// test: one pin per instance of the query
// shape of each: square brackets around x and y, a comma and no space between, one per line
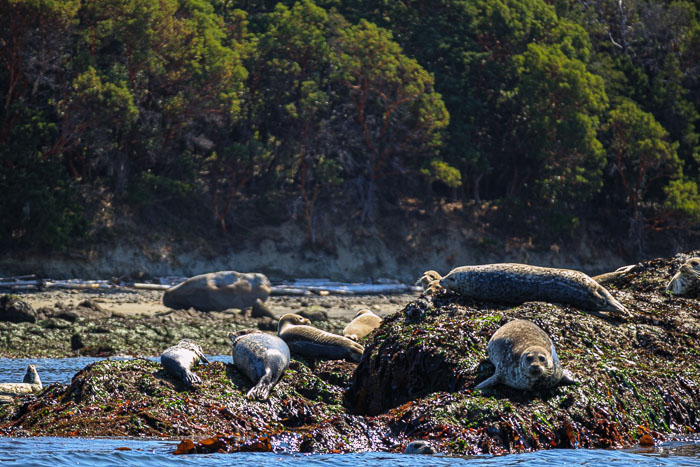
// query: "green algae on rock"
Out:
[638,378]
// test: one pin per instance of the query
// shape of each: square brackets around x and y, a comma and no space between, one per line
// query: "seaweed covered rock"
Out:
[636,375]
[639,381]
[14,310]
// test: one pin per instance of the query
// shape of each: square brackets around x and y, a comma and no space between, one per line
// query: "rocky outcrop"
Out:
[14,310]
[639,380]
[218,291]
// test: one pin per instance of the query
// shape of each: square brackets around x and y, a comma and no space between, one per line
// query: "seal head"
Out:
[525,358]
[419,447]
[179,359]
[263,358]
[686,282]
[308,341]
[31,383]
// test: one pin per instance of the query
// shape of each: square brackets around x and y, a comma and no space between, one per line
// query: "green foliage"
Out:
[683,199]
[443,172]
[222,102]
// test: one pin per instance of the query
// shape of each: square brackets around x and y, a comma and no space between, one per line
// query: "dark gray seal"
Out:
[686,282]
[263,358]
[518,283]
[419,447]
[308,341]
[31,383]
[525,358]
[179,359]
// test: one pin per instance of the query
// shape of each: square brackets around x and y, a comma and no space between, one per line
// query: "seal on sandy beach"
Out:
[525,358]
[179,359]
[419,447]
[362,324]
[30,383]
[686,282]
[518,283]
[308,341]
[263,358]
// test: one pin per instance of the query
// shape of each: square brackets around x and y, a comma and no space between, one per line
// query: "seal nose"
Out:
[535,370]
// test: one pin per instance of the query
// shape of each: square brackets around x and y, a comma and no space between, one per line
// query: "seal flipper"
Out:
[190,379]
[489,382]
[261,391]
[567,379]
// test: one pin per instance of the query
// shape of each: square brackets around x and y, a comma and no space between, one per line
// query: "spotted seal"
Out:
[419,447]
[362,324]
[308,341]
[686,282]
[518,283]
[31,383]
[179,359]
[263,358]
[525,358]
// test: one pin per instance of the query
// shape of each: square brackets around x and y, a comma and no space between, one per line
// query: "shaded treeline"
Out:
[561,111]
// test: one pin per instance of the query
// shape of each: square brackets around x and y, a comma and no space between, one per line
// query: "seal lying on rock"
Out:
[262,358]
[525,358]
[179,359]
[518,283]
[686,282]
[362,324]
[308,341]
[31,383]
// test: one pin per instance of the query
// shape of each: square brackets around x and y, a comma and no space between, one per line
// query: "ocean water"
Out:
[52,452]
[46,451]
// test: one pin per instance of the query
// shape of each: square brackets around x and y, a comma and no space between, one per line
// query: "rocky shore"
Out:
[639,381]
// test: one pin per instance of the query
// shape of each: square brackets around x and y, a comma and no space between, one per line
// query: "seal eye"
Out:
[529,359]
[542,359]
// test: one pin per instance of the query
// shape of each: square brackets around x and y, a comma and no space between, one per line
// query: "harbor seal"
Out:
[308,341]
[31,383]
[525,358]
[686,282]
[179,359]
[419,447]
[428,280]
[518,283]
[362,324]
[263,358]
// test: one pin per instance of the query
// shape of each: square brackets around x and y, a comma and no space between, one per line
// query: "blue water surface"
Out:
[108,452]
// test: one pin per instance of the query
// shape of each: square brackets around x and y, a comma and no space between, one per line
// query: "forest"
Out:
[567,110]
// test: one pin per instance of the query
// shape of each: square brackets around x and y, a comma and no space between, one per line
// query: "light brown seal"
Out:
[179,359]
[263,358]
[308,341]
[525,358]
[362,324]
[686,282]
[31,383]
[518,283]
[428,280]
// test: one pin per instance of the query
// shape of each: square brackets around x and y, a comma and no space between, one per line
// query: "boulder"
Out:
[218,291]
[14,310]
